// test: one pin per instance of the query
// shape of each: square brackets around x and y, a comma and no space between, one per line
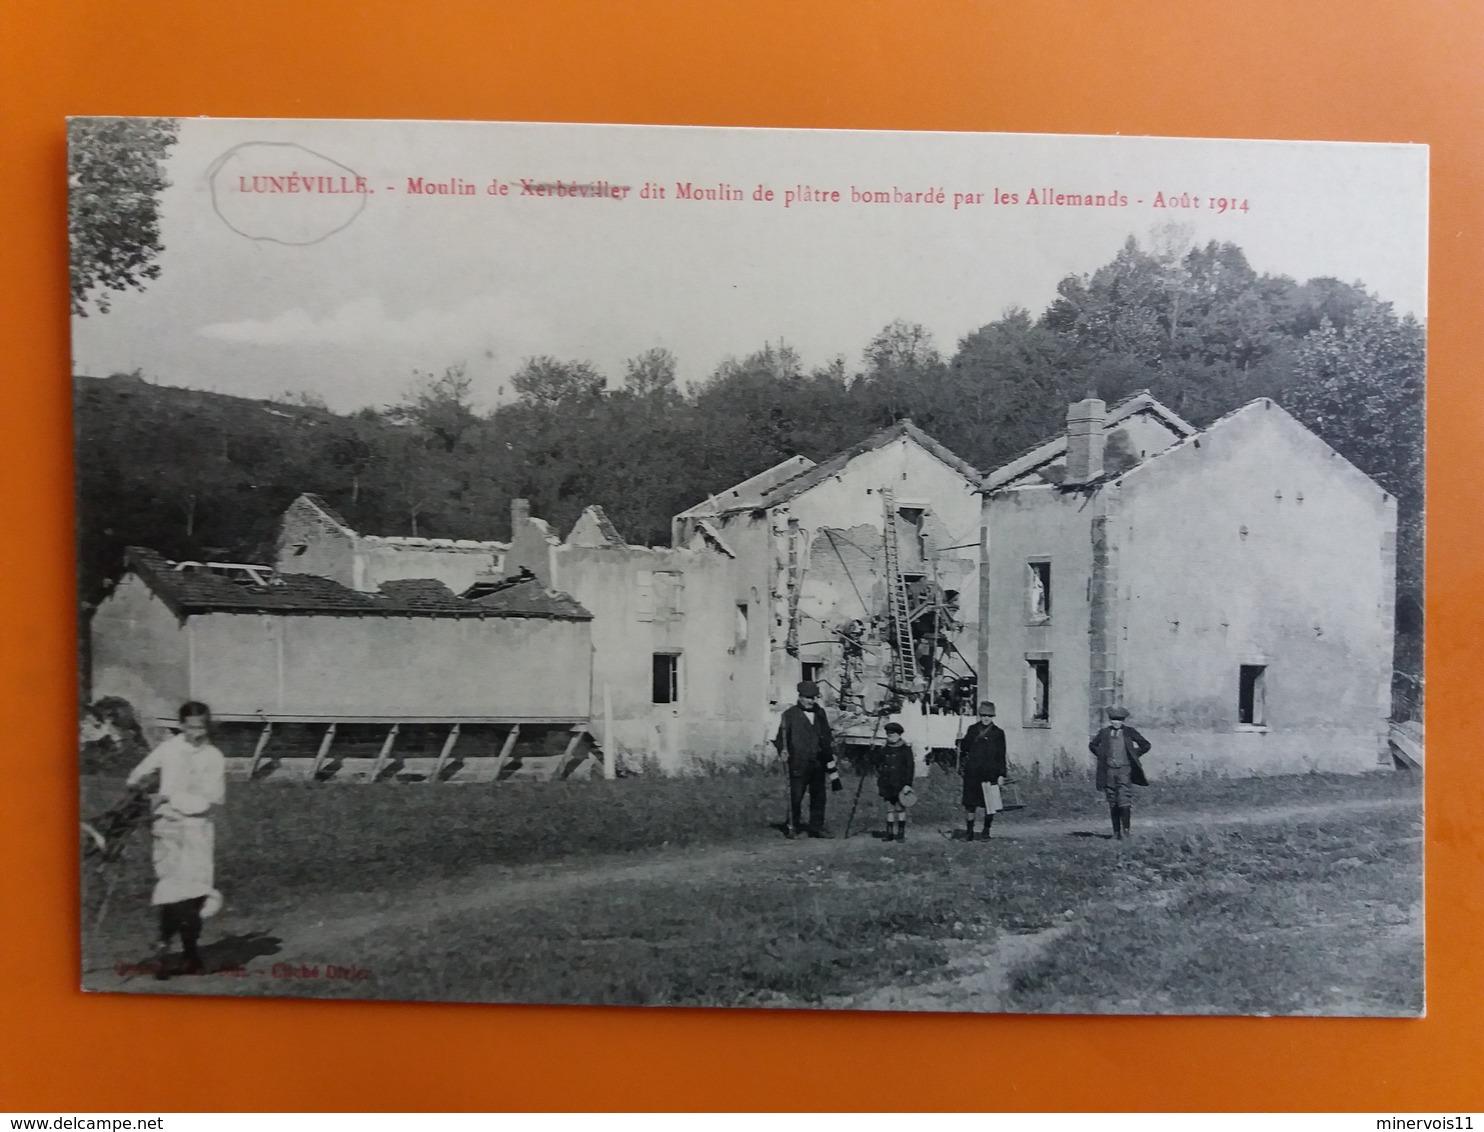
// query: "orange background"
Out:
[1397,71]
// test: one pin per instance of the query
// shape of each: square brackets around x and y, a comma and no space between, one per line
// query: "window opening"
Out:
[913,518]
[1038,688]
[1252,707]
[666,678]
[1040,591]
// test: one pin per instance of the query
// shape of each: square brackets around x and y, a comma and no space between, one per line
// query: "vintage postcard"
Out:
[771,568]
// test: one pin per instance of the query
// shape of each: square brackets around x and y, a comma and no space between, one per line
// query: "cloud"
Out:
[481,321]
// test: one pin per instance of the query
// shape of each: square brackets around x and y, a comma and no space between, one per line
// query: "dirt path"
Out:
[318,940]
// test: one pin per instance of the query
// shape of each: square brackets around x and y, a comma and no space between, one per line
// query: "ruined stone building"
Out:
[314,539]
[696,647]
[699,645]
[665,632]
[811,571]
[1233,587]
[302,656]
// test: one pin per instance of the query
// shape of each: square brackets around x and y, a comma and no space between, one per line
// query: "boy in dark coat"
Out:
[1119,748]
[894,770]
[805,740]
[981,759]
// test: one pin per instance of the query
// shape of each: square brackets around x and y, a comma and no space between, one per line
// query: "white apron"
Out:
[183,851]
[192,779]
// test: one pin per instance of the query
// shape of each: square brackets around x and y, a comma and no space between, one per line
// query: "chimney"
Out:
[520,511]
[1085,440]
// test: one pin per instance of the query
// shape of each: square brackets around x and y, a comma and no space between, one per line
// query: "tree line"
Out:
[204,475]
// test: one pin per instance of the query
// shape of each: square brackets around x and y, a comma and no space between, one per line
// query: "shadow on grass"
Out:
[229,954]
[237,951]
[224,956]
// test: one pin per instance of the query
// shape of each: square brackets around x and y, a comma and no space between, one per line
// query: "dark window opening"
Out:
[1252,707]
[813,669]
[666,678]
[1038,691]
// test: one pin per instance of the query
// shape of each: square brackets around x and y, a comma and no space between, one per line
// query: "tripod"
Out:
[859,786]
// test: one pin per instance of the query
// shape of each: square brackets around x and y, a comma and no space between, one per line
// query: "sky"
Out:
[348,295]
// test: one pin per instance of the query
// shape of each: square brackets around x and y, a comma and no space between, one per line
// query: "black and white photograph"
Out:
[678,566]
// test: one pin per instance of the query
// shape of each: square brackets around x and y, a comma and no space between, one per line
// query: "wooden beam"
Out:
[610,744]
[386,751]
[324,749]
[453,737]
[567,754]
[505,751]
[257,751]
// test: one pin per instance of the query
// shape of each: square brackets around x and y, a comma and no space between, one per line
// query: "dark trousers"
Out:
[812,780]
[183,917]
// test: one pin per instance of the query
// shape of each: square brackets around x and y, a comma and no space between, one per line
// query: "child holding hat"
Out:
[894,773]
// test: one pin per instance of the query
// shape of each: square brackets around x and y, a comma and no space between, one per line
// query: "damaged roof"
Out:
[1250,411]
[524,596]
[749,493]
[428,594]
[808,475]
[605,525]
[189,588]
[335,517]
[329,512]
[593,528]
[902,430]
[1054,448]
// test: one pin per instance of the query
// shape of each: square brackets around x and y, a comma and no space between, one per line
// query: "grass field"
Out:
[1296,895]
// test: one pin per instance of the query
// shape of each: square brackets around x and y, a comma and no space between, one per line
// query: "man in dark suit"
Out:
[981,760]
[805,740]
[1119,748]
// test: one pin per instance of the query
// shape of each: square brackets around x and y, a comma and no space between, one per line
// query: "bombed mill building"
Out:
[1233,587]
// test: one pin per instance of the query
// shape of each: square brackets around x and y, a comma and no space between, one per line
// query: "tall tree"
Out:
[745,418]
[651,377]
[439,406]
[419,481]
[902,366]
[545,381]
[351,449]
[115,175]
[1012,380]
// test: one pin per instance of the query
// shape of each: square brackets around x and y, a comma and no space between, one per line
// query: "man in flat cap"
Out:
[982,762]
[805,740]
[1119,748]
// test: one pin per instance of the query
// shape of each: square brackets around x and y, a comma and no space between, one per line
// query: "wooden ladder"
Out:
[904,657]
